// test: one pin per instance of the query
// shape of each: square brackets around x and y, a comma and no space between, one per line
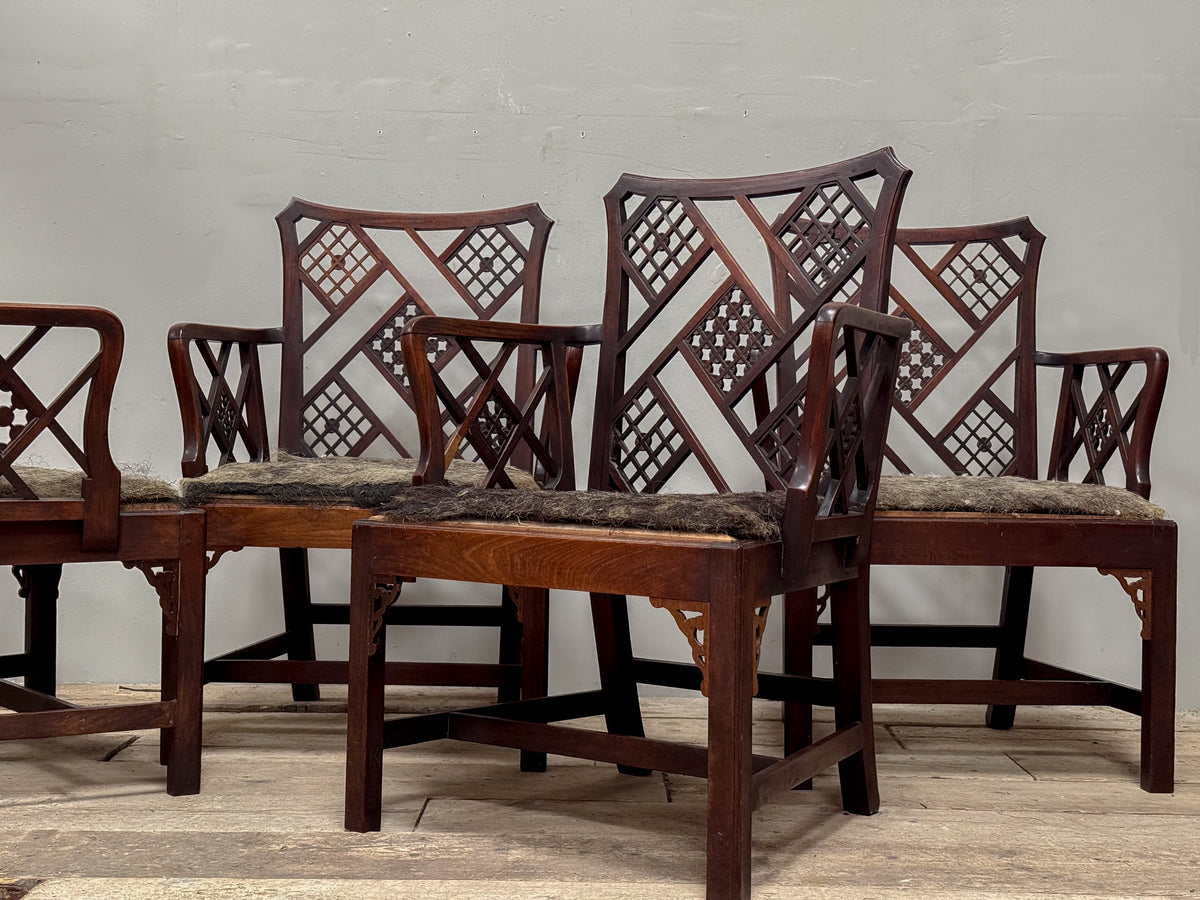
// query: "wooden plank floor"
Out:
[1049,809]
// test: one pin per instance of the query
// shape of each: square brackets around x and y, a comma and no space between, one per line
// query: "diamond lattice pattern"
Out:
[824,234]
[333,422]
[644,441]
[983,441]
[337,261]
[661,242]
[981,276]
[486,264]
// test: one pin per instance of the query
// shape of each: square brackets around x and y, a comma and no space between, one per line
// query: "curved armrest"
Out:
[217,412]
[533,428]
[1114,418]
[852,366]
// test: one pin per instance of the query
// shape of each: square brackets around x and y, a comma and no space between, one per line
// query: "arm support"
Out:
[1115,417]
[500,428]
[216,411]
[847,405]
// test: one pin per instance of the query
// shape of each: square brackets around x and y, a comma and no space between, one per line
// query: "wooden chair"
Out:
[352,279]
[689,354]
[966,404]
[89,513]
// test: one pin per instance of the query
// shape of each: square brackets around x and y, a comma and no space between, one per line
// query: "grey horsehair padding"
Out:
[757,515]
[329,481]
[56,484]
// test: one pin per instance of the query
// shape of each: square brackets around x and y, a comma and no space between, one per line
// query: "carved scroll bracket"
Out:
[212,559]
[1137,583]
[166,584]
[384,592]
[514,594]
[821,601]
[21,573]
[692,619]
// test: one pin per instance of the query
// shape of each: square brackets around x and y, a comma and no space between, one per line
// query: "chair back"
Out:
[353,278]
[965,399]
[697,372]
[709,342]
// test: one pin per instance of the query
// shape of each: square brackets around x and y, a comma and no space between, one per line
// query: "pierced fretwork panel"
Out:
[969,294]
[983,440]
[825,233]
[362,277]
[661,241]
[711,368]
[336,263]
[981,275]
[730,339]
[647,446]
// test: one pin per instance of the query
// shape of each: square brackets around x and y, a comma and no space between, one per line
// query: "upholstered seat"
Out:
[1010,495]
[49,483]
[757,515]
[752,516]
[329,480]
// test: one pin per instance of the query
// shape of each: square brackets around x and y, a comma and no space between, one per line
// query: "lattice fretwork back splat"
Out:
[713,286]
[964,395]
[353,278]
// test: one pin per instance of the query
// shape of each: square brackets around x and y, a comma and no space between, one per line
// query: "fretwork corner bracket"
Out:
[514,594]
[385,590]
[692,619]
[1138,584]
[166,584]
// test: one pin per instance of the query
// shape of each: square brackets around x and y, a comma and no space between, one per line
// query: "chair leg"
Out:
[1158,680]
[39,587]
[730,686]
[183,658]
[364,707]
[535,611]
[511,635]
[1010,650]
[799,626]
[297,615]
[849,604]
[614,653]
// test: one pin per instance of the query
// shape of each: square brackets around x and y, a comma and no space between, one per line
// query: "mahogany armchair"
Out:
[690,351]
[49,410]
[966,404]
[346,435]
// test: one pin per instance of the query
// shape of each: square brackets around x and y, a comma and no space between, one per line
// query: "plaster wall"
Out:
[145,147]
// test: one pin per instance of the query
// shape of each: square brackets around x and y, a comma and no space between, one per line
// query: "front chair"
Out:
[346,435]
[49,410]
[683,324]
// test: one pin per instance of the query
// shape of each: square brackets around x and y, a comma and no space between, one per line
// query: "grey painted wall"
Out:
[145,147]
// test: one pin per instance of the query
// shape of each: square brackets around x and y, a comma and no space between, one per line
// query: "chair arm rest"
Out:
[851,377]
[530,426]
[45,404]
[1147,355]
[524,332]
[212,411]
[1112,420]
